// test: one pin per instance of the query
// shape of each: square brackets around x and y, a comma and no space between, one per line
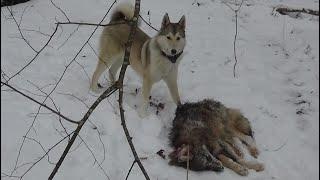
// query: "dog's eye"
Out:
[178,38]
[168,37]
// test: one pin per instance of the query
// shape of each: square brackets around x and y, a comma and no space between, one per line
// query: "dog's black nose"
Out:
[173,51]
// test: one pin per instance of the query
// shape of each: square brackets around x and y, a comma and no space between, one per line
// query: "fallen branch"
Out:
[285,10]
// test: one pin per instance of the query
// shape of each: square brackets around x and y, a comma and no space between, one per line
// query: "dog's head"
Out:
[171,38]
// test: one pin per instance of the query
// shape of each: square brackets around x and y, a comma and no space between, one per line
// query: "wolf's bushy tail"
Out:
[123,11]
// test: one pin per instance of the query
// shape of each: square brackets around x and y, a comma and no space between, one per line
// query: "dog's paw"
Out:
[143,113]
[96,89]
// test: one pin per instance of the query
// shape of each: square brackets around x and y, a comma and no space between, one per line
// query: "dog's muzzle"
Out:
[173,58]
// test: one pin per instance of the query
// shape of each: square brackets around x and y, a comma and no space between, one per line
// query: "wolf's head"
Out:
[171,38]
[199,158]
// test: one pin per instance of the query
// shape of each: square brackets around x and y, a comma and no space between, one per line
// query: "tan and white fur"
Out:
[154,59]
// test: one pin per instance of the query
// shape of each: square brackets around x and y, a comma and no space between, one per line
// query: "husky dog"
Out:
[154,59]
[209,136]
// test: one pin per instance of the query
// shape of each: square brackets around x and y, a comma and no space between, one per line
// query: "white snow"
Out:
[277,77]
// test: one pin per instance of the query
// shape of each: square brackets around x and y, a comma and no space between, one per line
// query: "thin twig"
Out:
[19,29]
[41,104]
[45,155]
[105,94]
[37,31]
[100,139]
[235,35]
[37,54]
[74,31]
[134,161]
[21,17]
[54,104]
[94,157]
[60,10]
[148,23]
[93,24]
[56,85]
[38,142]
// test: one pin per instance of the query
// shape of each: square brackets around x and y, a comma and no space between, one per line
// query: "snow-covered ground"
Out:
[276,87]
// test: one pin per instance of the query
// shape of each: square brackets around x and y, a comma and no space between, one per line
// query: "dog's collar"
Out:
[173,58]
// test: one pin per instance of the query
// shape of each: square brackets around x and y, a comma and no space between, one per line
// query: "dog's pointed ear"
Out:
[165,20]
[182,22]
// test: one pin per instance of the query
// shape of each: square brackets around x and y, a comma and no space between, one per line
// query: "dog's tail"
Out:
[124,11]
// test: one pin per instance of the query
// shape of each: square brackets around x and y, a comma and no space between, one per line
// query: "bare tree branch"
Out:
[125,64]
[44,155]
[130,169]
[94,157]
[41,104]
[93,24]
[148,23]
[118,85]
[19,29]
[37,54]
[105,94]
[60,10]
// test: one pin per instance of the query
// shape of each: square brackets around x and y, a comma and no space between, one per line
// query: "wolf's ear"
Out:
[182,22]
[165,20]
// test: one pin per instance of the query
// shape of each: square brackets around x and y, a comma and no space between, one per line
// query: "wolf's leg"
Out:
[249,164]
[250,144]
[229,163]
[171,81]
[252,164]
[101,67]
[235,146]
[114,69]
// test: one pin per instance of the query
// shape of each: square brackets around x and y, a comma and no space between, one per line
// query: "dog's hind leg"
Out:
[114,69]
[101,67]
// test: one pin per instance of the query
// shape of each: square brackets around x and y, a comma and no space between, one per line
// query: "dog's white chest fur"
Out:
[160,66]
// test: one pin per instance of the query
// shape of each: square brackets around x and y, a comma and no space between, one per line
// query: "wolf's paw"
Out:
[216,167]
[258,167]
[243,171]
[254,152]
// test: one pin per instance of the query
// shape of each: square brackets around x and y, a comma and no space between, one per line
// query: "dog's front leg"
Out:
[171,81]
[146,88]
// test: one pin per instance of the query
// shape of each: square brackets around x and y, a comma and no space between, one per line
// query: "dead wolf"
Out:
[211,133]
